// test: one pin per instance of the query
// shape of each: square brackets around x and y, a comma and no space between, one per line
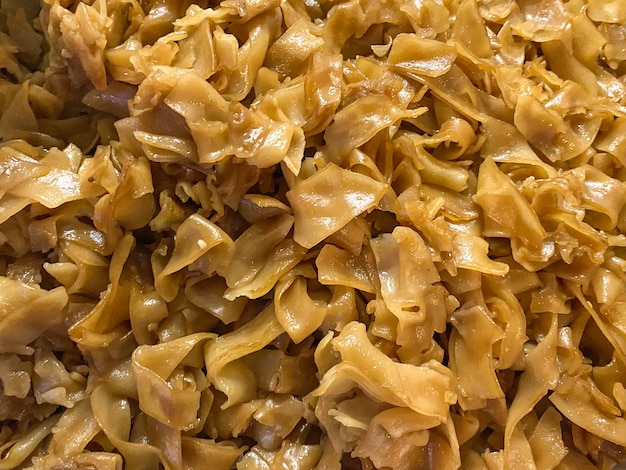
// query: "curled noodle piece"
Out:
[196,237]
[425,389]
[291,455]
[426,57]
[113,414]
[546,440]
[84,38]
[222,128]
[226,372]
[262,255]
[25,180]
[507,213]
[15,453]
[15,375]
[505,144]
[197,452]
[297,312]
[328,200]
[607,11]
[405,269]
[471,352]
[293,48]
[374,113]
[579,405]
[163,400]
[540,376]
[76,428]
[26,311]
[339,267]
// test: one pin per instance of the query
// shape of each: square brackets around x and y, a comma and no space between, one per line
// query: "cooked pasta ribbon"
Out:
[263,234]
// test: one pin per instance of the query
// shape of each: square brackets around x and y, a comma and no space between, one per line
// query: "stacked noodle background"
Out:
[312,234]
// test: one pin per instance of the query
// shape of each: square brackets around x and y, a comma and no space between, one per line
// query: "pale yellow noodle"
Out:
[263,234]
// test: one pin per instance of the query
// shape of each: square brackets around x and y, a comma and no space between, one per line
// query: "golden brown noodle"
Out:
[315,234]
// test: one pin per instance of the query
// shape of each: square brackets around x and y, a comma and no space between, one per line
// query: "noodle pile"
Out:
[312,234]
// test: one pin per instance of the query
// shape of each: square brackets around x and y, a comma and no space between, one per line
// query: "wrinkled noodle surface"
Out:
[324,234]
